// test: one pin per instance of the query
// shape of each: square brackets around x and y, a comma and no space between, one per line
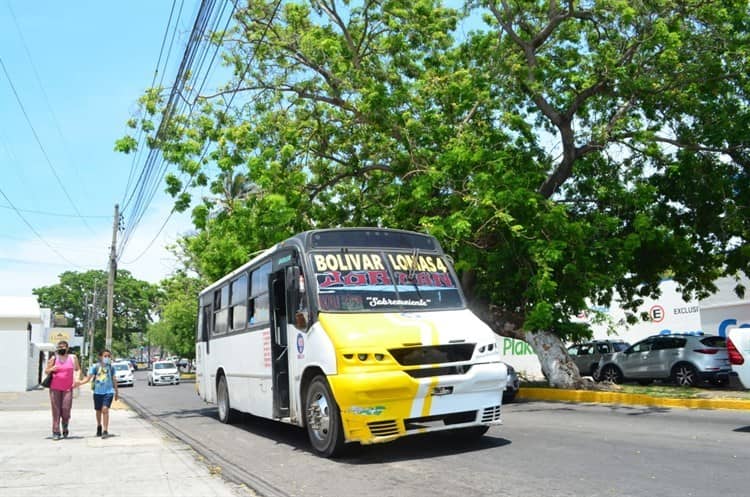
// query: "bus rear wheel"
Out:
[323,419]
[222,393]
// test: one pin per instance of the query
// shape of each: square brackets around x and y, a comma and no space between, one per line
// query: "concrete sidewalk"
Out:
[137,459]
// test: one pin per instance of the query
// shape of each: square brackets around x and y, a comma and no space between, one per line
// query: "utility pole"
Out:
[111,279]
[92,325]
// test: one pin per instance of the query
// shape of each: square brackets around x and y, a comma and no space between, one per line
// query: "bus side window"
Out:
[257,305]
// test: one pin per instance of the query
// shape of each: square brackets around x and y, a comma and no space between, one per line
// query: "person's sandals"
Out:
[99,431]
[65,431]
[56,436]
[105,434]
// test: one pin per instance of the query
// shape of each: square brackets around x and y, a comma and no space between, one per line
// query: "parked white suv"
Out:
[738,346]
[164,373]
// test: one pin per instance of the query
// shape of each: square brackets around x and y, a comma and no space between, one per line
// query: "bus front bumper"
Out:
[382,406]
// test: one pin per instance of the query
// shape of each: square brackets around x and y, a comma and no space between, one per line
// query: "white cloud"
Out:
[27,263]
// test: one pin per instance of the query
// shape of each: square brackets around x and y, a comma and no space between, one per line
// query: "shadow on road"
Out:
[743,429]
[412,447]
[408,448]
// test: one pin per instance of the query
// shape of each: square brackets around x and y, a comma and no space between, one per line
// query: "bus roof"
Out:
[343,237]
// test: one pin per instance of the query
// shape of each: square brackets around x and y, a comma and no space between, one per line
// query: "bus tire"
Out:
[323,419]
[222,401]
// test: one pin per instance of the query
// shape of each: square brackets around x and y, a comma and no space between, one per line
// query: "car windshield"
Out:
[619,347]
[384,281]
[121,367]
[164,365]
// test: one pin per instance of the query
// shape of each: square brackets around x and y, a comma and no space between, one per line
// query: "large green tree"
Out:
[178,315]
[82,298]
[563,152]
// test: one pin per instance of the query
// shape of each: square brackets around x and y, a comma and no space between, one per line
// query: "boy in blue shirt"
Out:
[105,390]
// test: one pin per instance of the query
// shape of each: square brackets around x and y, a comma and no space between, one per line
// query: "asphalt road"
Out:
[543,449]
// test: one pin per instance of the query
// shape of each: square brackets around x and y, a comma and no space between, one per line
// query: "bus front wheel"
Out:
[323,419]
[222,392]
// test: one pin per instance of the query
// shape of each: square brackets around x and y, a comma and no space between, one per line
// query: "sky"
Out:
[78,68]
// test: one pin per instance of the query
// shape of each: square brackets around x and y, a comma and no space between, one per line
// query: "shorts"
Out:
[102,399]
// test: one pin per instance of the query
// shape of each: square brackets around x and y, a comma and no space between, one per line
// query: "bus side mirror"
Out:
[296,298]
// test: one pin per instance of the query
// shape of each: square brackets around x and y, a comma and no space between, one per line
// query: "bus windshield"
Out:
[383,281]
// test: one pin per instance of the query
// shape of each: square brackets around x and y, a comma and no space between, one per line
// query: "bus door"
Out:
[202,349]
[279,345]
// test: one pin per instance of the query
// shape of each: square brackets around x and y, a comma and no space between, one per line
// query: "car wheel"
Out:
[684,375]
[611,374]
[323,419]
[222,392]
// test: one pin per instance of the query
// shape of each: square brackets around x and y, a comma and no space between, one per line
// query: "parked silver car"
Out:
[685,359]
[513,385]
[588,354]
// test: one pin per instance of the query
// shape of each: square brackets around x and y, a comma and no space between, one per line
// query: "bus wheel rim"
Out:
[318,417]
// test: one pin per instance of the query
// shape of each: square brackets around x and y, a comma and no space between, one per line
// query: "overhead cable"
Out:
[41,147]
[229,104]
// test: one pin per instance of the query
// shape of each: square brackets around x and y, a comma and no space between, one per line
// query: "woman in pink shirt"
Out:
[63,367]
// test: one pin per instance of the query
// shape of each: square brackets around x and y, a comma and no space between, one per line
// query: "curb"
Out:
[590,396]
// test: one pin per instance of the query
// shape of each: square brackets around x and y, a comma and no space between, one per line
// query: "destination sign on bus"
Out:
[372,261]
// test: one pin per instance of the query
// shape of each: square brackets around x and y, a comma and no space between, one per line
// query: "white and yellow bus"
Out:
[359,335]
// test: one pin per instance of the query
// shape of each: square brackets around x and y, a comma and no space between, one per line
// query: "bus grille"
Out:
[440,420]
[444,371]
[434,354]
[491,414]
[383,428]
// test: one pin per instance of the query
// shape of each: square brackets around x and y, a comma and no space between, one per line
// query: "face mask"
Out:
[62,351]
[106,360]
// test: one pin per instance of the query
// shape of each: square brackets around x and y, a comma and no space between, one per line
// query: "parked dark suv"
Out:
[587,355]
[685,359]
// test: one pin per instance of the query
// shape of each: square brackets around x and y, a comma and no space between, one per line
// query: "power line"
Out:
[41,147]
[229,103]
[33,230]
[53,214]
[139,140]
[147,178]
[55,121]
[155,168]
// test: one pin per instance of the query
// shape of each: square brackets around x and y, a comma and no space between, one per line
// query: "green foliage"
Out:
[82,297]
[560,152]
[178,314]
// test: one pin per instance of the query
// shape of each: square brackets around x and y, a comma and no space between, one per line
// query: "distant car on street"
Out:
[685,359]
[123,373]
[587,355]
[163,373]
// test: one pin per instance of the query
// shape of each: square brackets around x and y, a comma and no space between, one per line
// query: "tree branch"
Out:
[315,190]
[334,15]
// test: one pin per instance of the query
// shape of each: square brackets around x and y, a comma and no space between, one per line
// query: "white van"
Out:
[738,347]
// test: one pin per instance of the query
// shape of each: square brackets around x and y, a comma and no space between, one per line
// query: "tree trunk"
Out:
[558,368]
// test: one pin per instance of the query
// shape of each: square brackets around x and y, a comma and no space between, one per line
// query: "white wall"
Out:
[521,356]
[14,370]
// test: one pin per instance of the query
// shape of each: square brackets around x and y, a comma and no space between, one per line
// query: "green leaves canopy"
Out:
[559,150]
[82,297]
